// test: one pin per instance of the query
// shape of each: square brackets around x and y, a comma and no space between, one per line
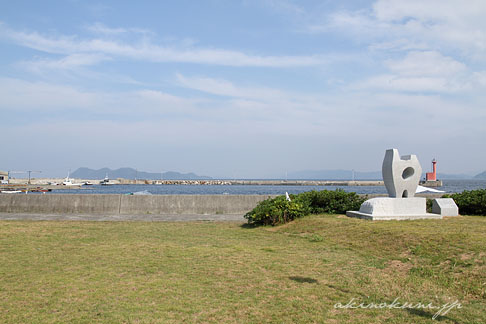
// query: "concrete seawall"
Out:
[129,205]
[137,205]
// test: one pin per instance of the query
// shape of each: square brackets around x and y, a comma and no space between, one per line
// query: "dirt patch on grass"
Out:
[279,227]
[466,256]
[397,266]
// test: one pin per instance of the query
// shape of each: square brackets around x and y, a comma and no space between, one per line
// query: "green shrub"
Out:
[278,210]
[274,211]
[470,202]
[429,205]
[332,202]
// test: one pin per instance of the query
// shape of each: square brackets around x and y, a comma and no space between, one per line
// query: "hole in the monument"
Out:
[408,172]
[405,194]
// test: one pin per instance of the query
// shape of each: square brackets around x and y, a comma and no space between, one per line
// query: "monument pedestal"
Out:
[386,208]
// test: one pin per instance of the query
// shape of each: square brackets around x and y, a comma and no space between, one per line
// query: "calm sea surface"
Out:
[449,186]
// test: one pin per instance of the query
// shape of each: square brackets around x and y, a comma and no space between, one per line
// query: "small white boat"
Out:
[10,191]
[69,182]
[106,181]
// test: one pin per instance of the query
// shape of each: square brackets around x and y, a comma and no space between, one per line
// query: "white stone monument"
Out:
[445,207]
[401,176]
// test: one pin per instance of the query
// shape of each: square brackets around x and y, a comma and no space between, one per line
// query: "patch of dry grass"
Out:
[137,272]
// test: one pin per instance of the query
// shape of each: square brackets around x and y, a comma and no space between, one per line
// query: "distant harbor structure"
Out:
[431,177]
[3,177]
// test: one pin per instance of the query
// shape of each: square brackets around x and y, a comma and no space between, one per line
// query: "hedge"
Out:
[279,210]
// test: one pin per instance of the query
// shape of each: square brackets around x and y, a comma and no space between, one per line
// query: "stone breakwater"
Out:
[270,182]
[212,182]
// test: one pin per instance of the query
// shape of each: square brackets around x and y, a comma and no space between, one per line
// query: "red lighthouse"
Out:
[432,176]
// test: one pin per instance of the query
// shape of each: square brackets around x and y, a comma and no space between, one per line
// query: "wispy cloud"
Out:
[147,119]
[146,50]
[20,95]
[69,62]
[424,71]
[426,63]
[415,24]
[100,28]
[284,6]
[226,88]
[45,97]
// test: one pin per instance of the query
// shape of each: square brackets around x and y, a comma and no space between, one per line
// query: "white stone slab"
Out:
[357,214]
[386,208]
[445,207]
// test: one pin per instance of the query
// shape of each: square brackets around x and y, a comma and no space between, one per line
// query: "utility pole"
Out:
[30,171]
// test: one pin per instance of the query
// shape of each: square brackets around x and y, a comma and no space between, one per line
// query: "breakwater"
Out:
[120,181]
[307,182]
[129,205]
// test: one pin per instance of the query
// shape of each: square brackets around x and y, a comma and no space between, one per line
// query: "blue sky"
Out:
[250,88]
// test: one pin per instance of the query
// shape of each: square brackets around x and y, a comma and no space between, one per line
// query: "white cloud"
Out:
[397,83]
[147,122]
[424,71]
[283,6]
[415,24]
[144,49]
[426,63]
[227,88]
[69,62]
[100,28]
[432,10]
[480,78]
[44,98]
[41,96]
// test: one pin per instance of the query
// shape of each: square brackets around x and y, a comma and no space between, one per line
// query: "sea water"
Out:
[449,186]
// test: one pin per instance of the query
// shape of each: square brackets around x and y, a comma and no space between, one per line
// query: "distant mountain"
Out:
[482,175]
[358,175]
[445,176]
[334,175]
[129,173]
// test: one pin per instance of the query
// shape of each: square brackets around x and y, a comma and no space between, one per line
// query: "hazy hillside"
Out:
[482,175]
[359,175]
[129,173]
[447,176]
[334,175]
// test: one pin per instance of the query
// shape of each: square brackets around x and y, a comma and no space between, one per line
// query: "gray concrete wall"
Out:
[125,204]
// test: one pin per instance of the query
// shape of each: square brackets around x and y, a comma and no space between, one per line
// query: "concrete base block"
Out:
[445,207]
[385,208]
[357,214]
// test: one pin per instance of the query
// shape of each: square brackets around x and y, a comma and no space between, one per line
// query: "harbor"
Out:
[227,188]
[56,183]
[48,185]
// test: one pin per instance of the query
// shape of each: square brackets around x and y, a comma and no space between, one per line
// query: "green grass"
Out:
[205,272]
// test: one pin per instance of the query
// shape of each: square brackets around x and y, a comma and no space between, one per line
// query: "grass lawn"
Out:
[141,272]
